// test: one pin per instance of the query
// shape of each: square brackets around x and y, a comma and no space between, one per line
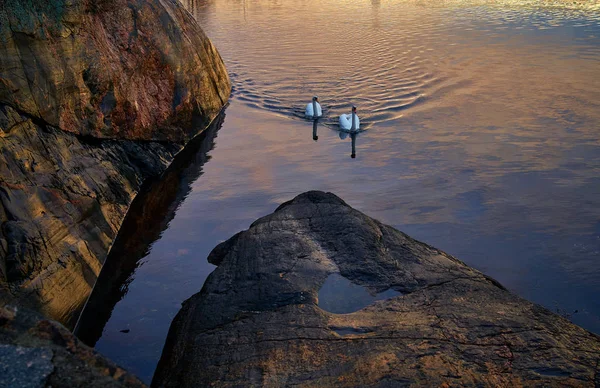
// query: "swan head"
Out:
[353,108]
[315,98]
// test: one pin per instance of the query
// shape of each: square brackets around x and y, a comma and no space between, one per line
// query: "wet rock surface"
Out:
[36,352]
[257,321]
[96,97]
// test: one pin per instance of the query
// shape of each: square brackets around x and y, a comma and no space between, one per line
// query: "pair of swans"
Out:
[348,122]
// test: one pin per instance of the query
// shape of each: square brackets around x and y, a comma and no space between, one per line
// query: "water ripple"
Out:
[387,61]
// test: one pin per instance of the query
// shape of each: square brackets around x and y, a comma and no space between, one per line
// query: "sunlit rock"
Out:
[109,68]
[81,82]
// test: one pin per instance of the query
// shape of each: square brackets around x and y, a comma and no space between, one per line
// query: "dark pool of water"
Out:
[339,295]
[482,139]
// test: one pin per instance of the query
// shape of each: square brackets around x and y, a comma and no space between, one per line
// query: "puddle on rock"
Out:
[339,295]
[343,331]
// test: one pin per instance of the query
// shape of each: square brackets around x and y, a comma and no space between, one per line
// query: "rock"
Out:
[110,68]
[58,225]
[258,321]
[96,97]
[24,367]
[36,352]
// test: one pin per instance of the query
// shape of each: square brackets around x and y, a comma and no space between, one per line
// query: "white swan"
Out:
[350,122]
[313,107]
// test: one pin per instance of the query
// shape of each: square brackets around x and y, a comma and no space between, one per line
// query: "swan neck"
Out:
[353,127]
[315,109]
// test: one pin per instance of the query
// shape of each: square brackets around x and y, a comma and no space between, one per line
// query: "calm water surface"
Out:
[339,295]
[482,138]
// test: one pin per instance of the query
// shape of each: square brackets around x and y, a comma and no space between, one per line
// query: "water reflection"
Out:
[201,9]
[486,145]
[148,217]
[353,135]
[375,5]
[342,135]
[339,295]
[405,55]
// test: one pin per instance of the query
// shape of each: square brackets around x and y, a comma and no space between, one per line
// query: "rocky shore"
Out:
[260,318]
[96,97]
[38,352]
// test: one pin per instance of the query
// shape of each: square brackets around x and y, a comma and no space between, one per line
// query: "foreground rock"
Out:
[81,83]
[258,320]
[36,352]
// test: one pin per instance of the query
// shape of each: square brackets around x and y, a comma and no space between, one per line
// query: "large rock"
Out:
[96,97]
[258,319]
[62,201]
[37,352]
[124,69]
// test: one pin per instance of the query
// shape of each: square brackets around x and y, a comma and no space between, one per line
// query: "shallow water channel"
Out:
[482,139]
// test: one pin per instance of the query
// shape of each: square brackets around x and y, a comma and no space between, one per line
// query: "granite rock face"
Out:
[257,320]
[36,352]
[62,201]
[123,69]
[96,97]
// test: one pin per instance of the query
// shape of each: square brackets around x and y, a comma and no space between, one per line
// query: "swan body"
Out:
[346,122]
[313,107]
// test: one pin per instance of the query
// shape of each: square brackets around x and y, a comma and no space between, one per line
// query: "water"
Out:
[481,139]
[339,295]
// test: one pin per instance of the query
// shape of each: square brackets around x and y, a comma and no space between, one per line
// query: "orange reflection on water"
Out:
[482,139]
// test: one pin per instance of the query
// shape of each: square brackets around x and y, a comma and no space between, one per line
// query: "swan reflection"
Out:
[342,134]
[353,135]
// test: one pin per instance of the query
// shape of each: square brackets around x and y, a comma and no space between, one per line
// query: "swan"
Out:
[350,122]
[313,107]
